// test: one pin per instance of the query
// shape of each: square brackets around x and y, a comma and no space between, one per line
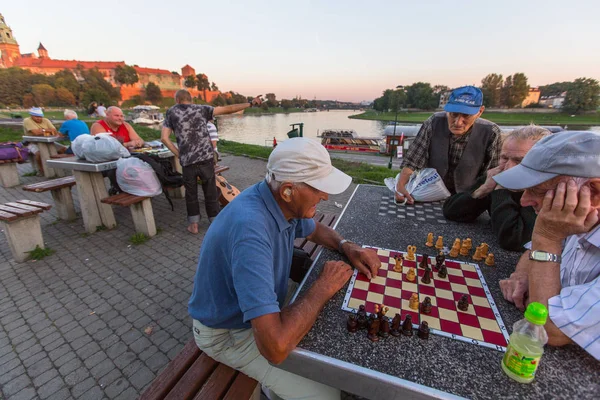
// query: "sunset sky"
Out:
[350,50]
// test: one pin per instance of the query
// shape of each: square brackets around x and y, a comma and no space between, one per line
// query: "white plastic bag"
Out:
[425,185]
[136,177]
[103,147]
[77,144]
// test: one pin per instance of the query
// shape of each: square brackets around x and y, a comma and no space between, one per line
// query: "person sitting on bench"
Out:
[37,125]
[238,303]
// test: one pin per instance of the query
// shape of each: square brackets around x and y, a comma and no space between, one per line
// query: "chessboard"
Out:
[425,212]
[481,324]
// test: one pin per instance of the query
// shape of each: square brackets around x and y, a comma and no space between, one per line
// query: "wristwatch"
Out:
[341,244]
[544,256]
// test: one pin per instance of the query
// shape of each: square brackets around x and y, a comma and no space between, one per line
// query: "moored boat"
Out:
[348,140]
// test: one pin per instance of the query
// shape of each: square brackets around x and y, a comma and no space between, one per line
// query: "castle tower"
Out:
[9,48]
[187,71]
[42,52]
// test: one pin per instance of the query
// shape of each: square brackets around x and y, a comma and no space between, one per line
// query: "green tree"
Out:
[190,81]
[15,83]
[286,104]
[203,84]
[582,96]
[219,101]
[126,75]
[64,98]
[214,87]
[491,87]
[420,95]
[555,89]
[43,94]
[515,90]
[271,100]
[66,79]
[153,93]
[95,88]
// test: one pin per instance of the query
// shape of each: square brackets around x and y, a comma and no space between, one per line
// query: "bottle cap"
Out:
[536,313]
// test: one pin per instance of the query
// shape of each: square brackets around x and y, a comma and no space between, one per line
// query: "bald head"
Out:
[114,116]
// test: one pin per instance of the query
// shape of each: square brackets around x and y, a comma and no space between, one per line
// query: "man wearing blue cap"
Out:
[561,269]
[457,143]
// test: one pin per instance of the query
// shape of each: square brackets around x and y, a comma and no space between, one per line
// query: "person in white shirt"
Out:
[101,110]
[561,269]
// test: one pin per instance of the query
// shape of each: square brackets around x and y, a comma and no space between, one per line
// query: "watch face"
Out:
[539,256]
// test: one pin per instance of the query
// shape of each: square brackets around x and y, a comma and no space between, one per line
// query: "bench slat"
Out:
[169,377]
[5,216]
[123,199]
[242,388]
[218,383]
[18,211]
[193,379]
[37,204]
[24,207]
[50,185]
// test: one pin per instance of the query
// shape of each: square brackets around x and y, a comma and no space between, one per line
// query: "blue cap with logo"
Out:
[465,100]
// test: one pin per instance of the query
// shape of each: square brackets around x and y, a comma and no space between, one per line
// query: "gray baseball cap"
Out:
[563,153]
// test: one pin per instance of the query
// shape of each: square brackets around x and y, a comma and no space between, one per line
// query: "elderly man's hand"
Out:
[489,185]
[515,289]
[365,260]
[565,212]
[402,194]
[334,276]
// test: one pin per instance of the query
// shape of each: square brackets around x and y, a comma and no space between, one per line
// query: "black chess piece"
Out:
[424,331]
[407,328]
[384,327]
[361,317]
[424,261]
[463,303]
[373,330]
[439,260]
[352,323]
[395,331]
[443,272]
[426,279]
[426,305]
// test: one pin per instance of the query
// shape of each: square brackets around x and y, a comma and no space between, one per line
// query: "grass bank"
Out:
[498,118]
[271,110]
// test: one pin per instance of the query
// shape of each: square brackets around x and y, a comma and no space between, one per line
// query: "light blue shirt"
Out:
[245,261]
[74,128]
[576,309]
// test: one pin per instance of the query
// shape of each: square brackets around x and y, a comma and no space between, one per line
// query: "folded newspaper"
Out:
[425,185]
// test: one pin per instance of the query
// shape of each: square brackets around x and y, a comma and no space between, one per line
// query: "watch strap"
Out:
[544,256]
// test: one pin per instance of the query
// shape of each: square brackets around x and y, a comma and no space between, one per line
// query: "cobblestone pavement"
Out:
[100,318]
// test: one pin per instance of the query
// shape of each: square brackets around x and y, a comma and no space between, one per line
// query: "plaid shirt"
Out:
[417,156]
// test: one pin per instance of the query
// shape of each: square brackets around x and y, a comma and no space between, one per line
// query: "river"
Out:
[260,129]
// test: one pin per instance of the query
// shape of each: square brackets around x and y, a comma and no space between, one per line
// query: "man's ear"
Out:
[285,192]
[594,185]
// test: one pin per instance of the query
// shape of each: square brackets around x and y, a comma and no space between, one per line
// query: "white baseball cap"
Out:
[307,161]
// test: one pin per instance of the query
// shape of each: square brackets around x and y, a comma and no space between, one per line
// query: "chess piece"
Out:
[439,260]
[455,250]
[463,303]
[361,317]
[469,243]
[429,242]
[489,260]
[352,324]
[384,327]
[407,328]
[382,311]
[423,331]
[484,249]
[399,261]
[426,305]
[456,243]
[396,321]
[464,249]
[426,279]
[376,312]
[373,330]
[411,276]
[411,250]
[439,244]
[477,256]
[424,261]
[413,302]
[443,272]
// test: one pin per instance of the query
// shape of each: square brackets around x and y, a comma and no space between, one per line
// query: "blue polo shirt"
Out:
[74,128]
[245,261]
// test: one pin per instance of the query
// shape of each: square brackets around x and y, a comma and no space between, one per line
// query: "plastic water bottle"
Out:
[526,344]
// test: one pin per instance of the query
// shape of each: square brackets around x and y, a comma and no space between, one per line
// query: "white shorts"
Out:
[33,148]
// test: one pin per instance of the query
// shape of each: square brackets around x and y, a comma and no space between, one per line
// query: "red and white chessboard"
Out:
[481,324]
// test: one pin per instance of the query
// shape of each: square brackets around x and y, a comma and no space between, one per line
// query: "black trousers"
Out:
[206,172]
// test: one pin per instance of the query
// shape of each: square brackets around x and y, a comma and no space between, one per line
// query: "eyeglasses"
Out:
[455,115]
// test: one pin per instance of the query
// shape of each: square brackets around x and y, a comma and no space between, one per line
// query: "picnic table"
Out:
[409,367]
[47,150]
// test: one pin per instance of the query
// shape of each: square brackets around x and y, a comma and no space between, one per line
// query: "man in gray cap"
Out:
[238,305]
[561,269]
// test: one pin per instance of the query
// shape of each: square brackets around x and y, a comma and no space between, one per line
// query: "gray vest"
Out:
[471,162]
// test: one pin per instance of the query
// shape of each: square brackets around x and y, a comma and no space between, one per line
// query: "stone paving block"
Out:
[15,385]
[59,341]
[141,377]
[82,387]
[59,352]
[74,334]
[95,359]
[10,370]
[148,352]
[102,334]
[65,359]
[25,394]
[143,322]
[80,342]
[62,394]
[68,326]
[88,350]
[95,393]
[168,345]
[77,376]
[157,361]
[159,337]
[174,351]
[38,368]
[14,324]
[109,378]
[124,329]
[71,366]
[34,358]
[45,377]
[116,350]
[117,387]
[51,387]
[102,368]
[22,337]
[124,359]
[7,357]
[15,333]
[29,350]
[131,336]
[95,327]
[109,341]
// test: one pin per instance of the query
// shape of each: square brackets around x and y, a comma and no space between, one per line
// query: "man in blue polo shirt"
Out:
[73,127]
[238,303]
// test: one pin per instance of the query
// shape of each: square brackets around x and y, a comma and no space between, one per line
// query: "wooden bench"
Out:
[194,375]
[63,155]
[141,211]
[21,223]
[9,176]
[61,194]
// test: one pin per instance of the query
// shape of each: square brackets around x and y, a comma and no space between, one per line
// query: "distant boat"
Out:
[146,115]
[348,140]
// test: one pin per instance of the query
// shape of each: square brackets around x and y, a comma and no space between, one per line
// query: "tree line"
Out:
[582,94]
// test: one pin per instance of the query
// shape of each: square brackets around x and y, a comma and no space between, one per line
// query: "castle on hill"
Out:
[42,63]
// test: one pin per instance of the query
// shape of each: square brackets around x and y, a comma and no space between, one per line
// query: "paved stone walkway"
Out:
[100,318]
